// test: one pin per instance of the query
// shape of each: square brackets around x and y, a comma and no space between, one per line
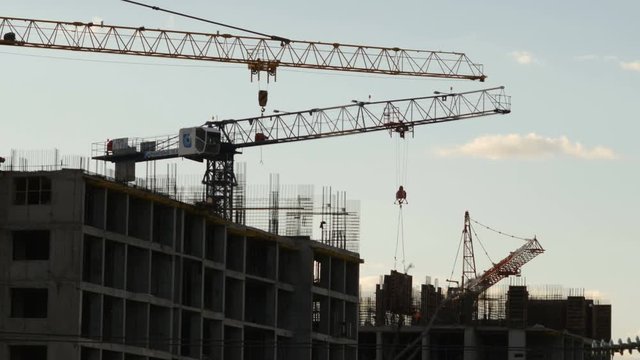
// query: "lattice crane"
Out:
[473,286]
[510,265]
[217,142]
[506,267]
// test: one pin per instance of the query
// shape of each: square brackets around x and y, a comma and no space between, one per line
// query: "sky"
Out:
[563,166]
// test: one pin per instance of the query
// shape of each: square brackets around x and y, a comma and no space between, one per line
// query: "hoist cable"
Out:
[272,37]
[481,245]
[404,266]
[500,232]
[398,239]
[455,261]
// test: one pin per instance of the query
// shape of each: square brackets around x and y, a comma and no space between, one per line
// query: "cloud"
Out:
[523,57]
[530,146]
[631,66]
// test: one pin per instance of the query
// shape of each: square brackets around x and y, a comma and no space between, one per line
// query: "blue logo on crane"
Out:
[186,140]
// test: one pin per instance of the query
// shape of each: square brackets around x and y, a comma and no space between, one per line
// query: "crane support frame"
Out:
[258,53]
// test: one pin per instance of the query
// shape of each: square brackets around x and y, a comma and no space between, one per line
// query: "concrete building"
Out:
[96,270]
[512,326]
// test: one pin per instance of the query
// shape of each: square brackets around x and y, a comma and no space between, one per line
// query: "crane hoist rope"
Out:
[401,153]
[399,242]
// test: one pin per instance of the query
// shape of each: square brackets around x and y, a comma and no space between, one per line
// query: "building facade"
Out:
[96,270]
[510,326]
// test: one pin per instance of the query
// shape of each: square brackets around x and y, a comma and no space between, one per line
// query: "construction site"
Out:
[109,257]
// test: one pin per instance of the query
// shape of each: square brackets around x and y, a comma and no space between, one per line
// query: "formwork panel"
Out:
[397,293]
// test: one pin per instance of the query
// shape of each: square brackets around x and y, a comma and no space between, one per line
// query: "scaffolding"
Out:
[527,302]
[286,210]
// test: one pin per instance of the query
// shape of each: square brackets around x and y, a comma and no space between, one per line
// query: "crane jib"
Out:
[259,53]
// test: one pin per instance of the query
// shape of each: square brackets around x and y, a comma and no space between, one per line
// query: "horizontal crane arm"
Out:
[259,53]
[393,115]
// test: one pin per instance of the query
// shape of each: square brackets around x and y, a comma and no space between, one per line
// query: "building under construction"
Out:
[504,323]
[94,269]
[472,320]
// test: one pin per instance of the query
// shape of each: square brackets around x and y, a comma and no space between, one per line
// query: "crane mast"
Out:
[260,54]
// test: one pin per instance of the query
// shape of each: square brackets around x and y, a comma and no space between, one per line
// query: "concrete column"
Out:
[426,342]
[558,348]
[379,346]
[517,340]
[470,344]
[578,350]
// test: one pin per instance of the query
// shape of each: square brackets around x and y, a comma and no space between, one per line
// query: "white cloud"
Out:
[632,65]
[530,146]
[523,57]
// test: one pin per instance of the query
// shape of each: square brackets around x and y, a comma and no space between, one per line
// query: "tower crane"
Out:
[260,54]
[217,142]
